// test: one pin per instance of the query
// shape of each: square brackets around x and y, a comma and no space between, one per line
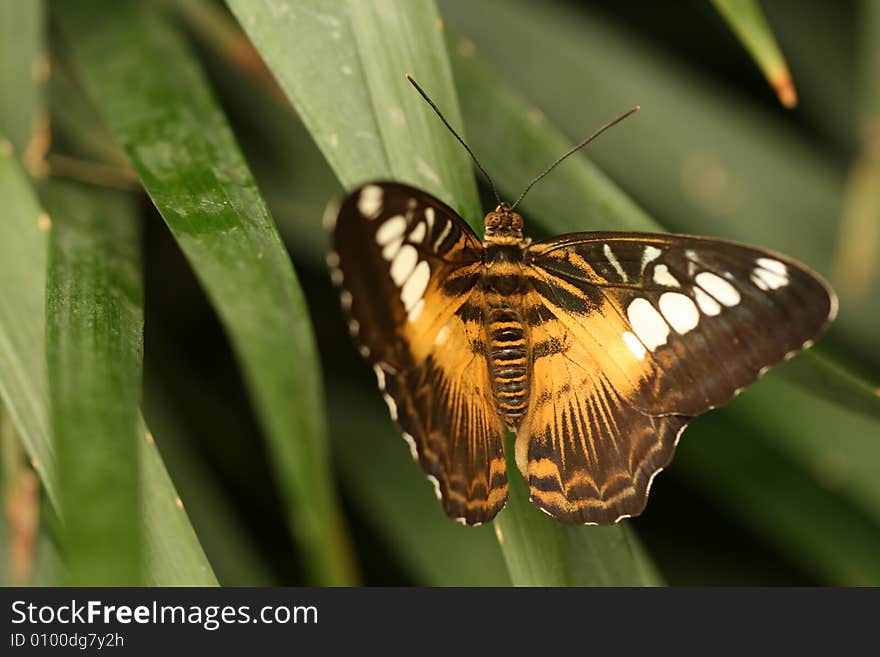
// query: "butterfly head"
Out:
[504,226]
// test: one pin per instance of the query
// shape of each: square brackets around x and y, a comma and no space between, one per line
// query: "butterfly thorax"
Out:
[503,286]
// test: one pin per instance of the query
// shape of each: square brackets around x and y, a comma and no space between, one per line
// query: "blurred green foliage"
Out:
[237,125]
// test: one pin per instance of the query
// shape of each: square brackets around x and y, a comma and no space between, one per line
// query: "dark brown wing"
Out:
[407,267]
[640,333]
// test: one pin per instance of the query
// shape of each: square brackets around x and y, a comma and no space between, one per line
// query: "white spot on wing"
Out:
[418,233]
[649,326]
[759,282]
[412,445]
[370,201]
[436,483]
[380,376]
[446,228]
[442,335]
[390,250]
[415,285]
[772,273]
[429,216]
[332,259]
[723,291]
[679,311]
[706,303]
[390,230]
[663,277]
[403,264]
[773,265]
[345,299]
[392,406]
[636,347]
[649,255]
[609,255]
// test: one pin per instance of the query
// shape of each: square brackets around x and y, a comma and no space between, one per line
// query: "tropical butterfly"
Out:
[595,348]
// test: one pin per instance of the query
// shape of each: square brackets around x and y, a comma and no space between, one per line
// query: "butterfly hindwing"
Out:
[632,335]
[408,268]
[588,455]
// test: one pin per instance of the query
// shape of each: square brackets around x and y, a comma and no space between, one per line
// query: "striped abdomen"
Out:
[508,358]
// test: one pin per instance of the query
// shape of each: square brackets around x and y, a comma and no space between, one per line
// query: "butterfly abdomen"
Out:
[508,360]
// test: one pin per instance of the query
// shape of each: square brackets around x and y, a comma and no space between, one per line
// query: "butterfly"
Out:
[595,348]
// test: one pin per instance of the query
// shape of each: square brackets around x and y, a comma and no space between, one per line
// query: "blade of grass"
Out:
[227,542]
[24,68]
[180,145]
[93,346]
[22,356]
[817,372]
[371,123]
[174,556]
[762,490]
[748,22]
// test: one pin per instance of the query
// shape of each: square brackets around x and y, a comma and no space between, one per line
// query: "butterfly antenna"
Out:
[574,150]
[452,130]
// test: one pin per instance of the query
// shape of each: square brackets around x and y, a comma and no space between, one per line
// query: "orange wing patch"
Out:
[445,407]
[588,454]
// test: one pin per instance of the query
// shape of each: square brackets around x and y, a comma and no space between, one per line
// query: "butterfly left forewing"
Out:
[407,267]
[645,331]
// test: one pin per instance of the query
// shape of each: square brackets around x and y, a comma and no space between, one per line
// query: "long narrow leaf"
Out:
[174,556]
[22,317]
[750,25]
[189,163]
[24,68]
[94,347]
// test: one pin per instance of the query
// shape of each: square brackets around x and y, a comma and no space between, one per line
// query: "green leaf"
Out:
[228,542]
[749,24]
[94,348]
[819,373]
[533,544]
[372,124]
[181,147]
[24,68]
[22,317]
[789,508]
[173,554]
